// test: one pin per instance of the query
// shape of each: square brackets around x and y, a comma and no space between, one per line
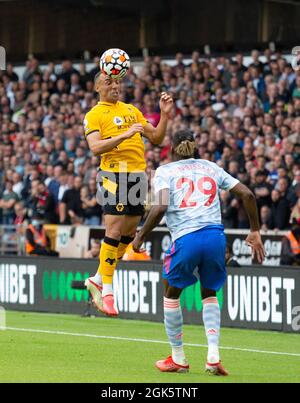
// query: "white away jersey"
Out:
[194,194]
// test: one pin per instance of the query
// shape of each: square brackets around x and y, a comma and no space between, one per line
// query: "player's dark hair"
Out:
[96,77]
[183,144]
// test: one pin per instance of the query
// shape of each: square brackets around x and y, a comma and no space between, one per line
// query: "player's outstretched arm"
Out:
[99,146]
[153,219]
[254,238]
[156,134]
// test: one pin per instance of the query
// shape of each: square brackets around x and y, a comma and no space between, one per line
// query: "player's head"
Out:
[183,145]
[108,88]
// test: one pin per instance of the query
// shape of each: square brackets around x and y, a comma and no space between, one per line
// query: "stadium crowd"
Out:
[246,119]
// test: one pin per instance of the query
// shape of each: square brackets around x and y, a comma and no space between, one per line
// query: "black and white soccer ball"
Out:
[115,63]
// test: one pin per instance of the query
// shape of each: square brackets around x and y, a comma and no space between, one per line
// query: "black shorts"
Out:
[122,193]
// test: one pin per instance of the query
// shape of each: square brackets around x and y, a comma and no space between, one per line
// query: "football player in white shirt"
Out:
[186,190]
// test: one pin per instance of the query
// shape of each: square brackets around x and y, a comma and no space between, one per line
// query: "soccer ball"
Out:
[114,63]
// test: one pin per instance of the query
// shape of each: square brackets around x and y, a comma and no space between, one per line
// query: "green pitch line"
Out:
[68,348]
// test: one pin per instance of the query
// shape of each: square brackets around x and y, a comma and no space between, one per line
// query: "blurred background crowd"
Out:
[244,118]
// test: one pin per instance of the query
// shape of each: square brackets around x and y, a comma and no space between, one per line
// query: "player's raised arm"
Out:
[99,146]
[254,238]
[156,134]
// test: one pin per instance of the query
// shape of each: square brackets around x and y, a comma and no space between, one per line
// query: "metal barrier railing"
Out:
[12,240]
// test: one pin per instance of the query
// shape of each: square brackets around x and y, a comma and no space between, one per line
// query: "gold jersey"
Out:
[112,120]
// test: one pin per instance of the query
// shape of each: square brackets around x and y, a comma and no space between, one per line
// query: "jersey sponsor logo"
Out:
[130,119]
[118,121]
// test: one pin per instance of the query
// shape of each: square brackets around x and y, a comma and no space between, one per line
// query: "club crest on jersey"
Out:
[120,207]
[118,121]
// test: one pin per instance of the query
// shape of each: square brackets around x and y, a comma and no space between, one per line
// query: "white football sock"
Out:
[178,355]
[107,289]
[97,278]
[212,323]
[213,355]
[173,325]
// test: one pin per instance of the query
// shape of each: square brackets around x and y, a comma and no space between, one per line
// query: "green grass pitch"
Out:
[61,348]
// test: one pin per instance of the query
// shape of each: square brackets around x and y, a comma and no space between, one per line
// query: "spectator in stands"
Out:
[229,258]
[93,253]
[244,117]
[95,69]
[67,70]
[80,159]
[21,221]
[92,211]
[280,211]
[290,251]
[54,183]
[295,216]
[150,113]
[32,70]
[7,203]
[63,186]
[70,207]
[37,242]
[265,218]
[295,185]
[229,208]
[43,203]
[262,189]
[21,217]
[17,184]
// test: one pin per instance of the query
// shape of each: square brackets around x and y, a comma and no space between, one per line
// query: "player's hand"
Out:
[254,241]
[166,103]
[137,243]
[135,128]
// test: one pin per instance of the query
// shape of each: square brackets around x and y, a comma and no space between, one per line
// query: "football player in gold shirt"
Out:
[114,130]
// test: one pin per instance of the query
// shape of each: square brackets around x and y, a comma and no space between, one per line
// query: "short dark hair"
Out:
[96,77]
[262,172]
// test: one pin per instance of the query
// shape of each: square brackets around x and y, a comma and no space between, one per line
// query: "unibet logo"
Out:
[260,299]
[57,286]
[17,283]
[191,300]
[136,291]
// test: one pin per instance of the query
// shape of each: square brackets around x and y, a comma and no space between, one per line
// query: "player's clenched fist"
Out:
[135,128]
[165,103]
